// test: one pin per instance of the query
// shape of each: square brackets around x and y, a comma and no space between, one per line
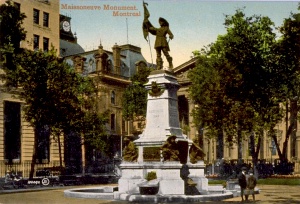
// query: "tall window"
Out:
[36,16]
[250,145]
[113,97]
[46,44]
[46,19]
[12,131]
[42,134]
[273,149]
[113,122]
[123,126]
[36,42]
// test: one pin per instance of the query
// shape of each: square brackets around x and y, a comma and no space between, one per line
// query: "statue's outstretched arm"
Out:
[152,30]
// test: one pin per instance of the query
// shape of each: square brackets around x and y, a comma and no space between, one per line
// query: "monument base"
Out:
[197,175]
[168,174]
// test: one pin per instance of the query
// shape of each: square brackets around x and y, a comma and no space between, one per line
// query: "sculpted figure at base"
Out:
[196,153]
[189,184]
[161,43]
[130,152]
[170,149]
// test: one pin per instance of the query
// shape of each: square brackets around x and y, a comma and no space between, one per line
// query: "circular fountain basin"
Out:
[175,198]
[104,193]
[111,193]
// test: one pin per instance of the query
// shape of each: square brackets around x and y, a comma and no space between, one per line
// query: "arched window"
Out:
[113,97]
[109,66]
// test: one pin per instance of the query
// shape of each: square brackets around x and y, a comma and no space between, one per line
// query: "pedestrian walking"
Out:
[251,183]
[242,181]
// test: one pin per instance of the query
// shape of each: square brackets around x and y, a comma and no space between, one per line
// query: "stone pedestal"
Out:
[132,175]
[168,174]
[162,121]
[162,109]
[197,175]
[170,180]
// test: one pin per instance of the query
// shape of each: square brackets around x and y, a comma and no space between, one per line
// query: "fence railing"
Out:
[23,168]
[264,168]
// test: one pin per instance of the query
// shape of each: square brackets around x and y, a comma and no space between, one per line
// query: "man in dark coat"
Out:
[161,43]
[242,181]
[251,183]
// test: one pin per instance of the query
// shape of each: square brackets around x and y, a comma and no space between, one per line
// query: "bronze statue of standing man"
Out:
[161,43]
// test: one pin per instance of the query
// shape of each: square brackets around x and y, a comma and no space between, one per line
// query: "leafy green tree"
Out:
[134,99]
[287,60]
[248,47]
[12,33]
[58,97]
[235,83]
[55,95]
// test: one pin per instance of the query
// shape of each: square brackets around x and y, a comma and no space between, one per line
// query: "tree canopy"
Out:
[242,79]
[12,33]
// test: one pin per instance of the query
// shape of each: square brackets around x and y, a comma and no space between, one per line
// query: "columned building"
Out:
[216,149]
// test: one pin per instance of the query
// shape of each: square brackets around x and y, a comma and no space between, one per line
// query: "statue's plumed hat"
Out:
[164,21]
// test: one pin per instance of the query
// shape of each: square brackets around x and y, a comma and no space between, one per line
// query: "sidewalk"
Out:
[55,195]
[278,194]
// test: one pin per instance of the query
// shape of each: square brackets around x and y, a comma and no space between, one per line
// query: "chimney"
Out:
[100,59]
[117,59]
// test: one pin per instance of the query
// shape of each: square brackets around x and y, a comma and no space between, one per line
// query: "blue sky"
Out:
[193,23]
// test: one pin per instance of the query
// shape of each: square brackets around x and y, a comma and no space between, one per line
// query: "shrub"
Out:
[268,181]
[151,175]
[279,181]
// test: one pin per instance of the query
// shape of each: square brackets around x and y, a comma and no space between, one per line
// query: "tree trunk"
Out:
[291,128]
[255,150]
[220,150]
[35,145]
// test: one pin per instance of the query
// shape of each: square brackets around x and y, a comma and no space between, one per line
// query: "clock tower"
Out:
[65,29]
[68,41]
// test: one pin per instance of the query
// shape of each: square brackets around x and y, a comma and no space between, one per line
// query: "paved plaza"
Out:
[278,194]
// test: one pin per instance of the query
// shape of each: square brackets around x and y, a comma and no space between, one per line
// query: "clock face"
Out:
[66,26]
